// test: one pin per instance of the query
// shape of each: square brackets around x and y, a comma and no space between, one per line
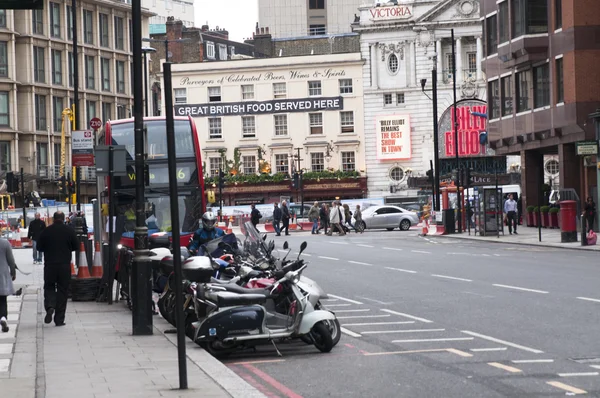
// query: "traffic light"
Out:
[11,183]
[467,179]
[62,185]
[221,179]
[211,196]
[430,176]
[296,180]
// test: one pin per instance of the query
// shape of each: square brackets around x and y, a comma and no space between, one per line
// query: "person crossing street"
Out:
[35,229]
[510,209]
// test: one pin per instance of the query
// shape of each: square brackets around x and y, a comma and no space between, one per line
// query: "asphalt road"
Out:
[437,317]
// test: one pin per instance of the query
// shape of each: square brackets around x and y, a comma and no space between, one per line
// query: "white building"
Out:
[182,10]
[401,44]
[296,18]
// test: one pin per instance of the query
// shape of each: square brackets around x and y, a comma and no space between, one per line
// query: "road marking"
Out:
[495,340]
[365,310]
[589,299]
[595,366]
[403,331]
[306,254]
[407,316]
[433,340]
[365,245]
[521,288]
[459,254]
[391,248]
[362,316]
[497,255]
[254,362]
[485,255]
[359,263]
[337,242]
[533,361]
[329,258]
[349,332]
[579,374]
[375,301]
[401,270]
[452,277]
[370,354]
[338,305]
[505,367]
[566,387]
[420,251]
[345,299]
[488,349]
[378,323]
[274,383]
[460,353]
[328,299]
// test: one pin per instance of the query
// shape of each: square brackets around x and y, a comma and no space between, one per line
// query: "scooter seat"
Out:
[229,299]
[232,287]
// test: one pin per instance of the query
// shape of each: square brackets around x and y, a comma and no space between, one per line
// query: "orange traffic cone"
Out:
[97,266]
[230,226]
[83,270]
[73,272]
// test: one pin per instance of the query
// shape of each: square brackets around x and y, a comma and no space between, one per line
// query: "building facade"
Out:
[543,83]
[36,82]
[401,45]
[182,10]
[263,119]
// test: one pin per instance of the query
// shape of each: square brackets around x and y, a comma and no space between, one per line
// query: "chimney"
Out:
[262,40]
[174,32]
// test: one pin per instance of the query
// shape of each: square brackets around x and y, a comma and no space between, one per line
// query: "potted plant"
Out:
[554,217]
[536,221]
[530,216]
[545,216]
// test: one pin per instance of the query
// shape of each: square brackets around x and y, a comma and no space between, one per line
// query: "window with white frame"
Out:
[248,127]
[247,91]
[214,94]
[314,88]
[347,121]
[281,127]
[249,164]
[316,123]
[222,52]
[345,86]
[282,164]
[472,61]
[279,90]
[215,163]
[232,50]
[210,50]
[180,95]
[399,98]
[317,161]
[348,161]
[387,99]
[214,128]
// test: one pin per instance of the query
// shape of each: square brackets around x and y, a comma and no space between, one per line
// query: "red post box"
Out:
[568,218]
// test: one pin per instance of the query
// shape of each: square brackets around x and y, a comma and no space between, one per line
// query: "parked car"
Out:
[389,217]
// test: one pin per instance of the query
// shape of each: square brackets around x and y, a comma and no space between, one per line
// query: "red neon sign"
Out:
[469,128]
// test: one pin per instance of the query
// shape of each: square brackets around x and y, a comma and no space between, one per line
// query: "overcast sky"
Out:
[239,17]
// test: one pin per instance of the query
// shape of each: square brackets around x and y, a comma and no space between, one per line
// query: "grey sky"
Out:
[239,17]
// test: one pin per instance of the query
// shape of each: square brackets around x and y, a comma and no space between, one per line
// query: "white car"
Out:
[389,217]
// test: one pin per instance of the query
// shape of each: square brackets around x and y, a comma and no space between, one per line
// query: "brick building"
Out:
[541,63]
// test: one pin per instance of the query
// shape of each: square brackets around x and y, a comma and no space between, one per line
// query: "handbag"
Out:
[591,238]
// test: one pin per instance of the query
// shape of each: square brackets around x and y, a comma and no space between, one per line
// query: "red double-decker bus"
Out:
[190,177]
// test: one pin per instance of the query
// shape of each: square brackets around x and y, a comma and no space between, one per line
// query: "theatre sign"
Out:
[391,13]
[472,124]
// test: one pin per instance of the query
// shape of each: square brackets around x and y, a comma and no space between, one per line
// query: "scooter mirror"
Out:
[285,245]
[265,237]
[303,246]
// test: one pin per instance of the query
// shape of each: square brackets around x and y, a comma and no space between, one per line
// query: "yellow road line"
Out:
[459,352]
[507,368]
[566,387]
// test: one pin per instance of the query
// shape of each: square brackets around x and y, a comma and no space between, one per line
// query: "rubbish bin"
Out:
[568,218]
[449,221]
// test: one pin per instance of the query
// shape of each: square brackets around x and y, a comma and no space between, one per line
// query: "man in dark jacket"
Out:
[35,229]
[276,219]
[57,242]
[285,217]
[254,215]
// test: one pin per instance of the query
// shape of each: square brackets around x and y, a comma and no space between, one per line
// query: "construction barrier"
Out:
[84,287]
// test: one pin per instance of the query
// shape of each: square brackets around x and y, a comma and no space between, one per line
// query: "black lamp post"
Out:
[455,127]
[146,50]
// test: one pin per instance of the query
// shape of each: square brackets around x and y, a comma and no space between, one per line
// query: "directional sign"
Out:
[95,123]
[585,148]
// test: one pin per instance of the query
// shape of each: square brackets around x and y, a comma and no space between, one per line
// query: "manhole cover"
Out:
[586,360]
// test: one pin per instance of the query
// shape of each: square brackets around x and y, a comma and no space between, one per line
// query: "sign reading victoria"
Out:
[261,107]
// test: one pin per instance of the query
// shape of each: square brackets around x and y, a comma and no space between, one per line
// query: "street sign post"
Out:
[585,148]
[95,123]
[82,145]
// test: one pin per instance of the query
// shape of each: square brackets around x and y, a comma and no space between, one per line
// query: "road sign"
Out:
[95,123]
[82,146]
[585,148]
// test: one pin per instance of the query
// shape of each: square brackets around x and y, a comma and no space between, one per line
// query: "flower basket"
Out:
[536,220]
[554,217]
[545,216]
[530,215]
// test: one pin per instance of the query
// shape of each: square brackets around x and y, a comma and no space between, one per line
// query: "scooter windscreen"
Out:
[216,249]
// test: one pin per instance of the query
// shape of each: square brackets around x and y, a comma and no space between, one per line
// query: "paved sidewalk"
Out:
[95,355]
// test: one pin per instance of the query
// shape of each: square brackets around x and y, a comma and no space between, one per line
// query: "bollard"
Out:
[584,241]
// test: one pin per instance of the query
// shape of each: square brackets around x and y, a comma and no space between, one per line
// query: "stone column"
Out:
[479,58]
[532,174]
[413,64]
[569,168]
[440,60]
[458,62]
[374,63]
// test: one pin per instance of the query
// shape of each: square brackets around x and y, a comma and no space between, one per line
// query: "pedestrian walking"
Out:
[510,210]
[57,242]
[358,222]
[8,273]
[313,215]
[590,213]
[35,229]
[276,219]
[285,217]
[254,215]
[335,216]
[324,218]
[348,216]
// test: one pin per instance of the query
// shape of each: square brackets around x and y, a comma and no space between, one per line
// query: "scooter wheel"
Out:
[322,337]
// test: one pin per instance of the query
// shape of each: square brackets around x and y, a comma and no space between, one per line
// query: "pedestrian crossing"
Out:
[7,340]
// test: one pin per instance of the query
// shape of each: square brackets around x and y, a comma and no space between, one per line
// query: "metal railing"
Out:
[52,173]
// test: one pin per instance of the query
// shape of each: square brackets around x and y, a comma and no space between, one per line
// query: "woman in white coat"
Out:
[8,273]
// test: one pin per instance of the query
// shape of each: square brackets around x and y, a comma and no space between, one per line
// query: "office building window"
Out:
[57,110]
[507,99]
[119,33]
[122,111]
[248,127]
[503,22]
[69,23]
[348,161]
[317,29]
[248,91]
[541,86]
[281,127]
[279,90]
[314,88]
[316,4]
[103,30]
[557,14]
[38,22]
[5,164]
[105,73]
[214,128]
[40,113]
[387,99]
[491,31]
[249,164]
[522,87]
[316,123]
[2,18]
[3,59]
[347,121]
[345,86]
[529,17]
[214,94]
[106,111]
[90,107]
[42,155]
[57,156]
[180,95]
[215,164]
[57,67]
[54,19]
[282,163]
[88,27]
[89,72]
[317,161]
[494,99]
[560,88]
[210,50]
[120,77]
[4,109]
[39,70]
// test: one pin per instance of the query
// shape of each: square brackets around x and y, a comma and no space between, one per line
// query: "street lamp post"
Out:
[455,128]
[146,50]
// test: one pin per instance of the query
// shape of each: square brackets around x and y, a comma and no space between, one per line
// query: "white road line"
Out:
[329,258]
[359,263]
[507,343]
[433,340]
[365,245]
[488,349]
[520,288]
[578,374]
[338,305]
[349,332]
[566,387]
[533,361]
[420,251]
[401,270]
[403,331]
[391,248]
[589,299]
[375,301]
[452,277]
[407,316]
[365,310]
[337,242]
[306,254]
[485,255]
[459,254]
[378,323]
[595,366]
[345,299]
[362,316]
